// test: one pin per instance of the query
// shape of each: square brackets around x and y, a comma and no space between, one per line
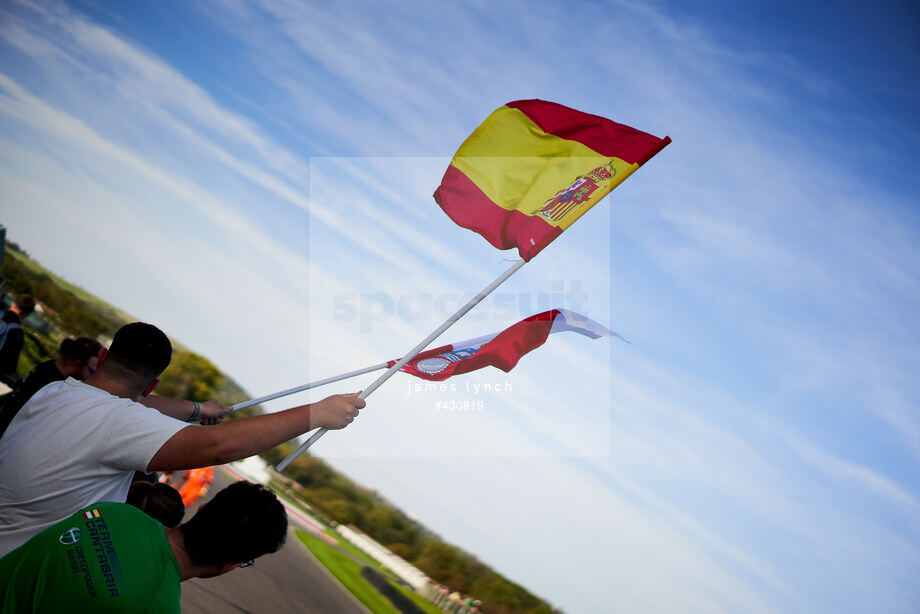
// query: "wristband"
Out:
[194,413]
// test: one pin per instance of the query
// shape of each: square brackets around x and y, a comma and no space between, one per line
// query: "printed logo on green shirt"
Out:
[106,557]
[70,536]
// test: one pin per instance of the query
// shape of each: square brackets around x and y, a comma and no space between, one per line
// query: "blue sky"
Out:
[256,178]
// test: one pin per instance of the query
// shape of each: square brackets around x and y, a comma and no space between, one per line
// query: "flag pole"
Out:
[321,382]
[409,356]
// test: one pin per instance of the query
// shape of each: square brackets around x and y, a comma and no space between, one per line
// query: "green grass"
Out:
[411,594]
[348,572]
[32,353]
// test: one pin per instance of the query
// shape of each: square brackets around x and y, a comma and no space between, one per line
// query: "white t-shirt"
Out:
[69,446]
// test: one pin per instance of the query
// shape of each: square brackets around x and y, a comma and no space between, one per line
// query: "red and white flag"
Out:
[503,349]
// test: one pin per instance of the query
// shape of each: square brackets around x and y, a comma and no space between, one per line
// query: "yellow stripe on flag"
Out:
[520,167]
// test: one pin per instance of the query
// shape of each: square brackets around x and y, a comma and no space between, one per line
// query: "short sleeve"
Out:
[133,435]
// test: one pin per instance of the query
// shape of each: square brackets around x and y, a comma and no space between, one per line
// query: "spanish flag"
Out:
[534,167]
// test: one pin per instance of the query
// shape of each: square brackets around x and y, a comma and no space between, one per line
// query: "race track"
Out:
[290,580]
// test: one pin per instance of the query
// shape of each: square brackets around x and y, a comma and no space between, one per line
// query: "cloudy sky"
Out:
[256,178]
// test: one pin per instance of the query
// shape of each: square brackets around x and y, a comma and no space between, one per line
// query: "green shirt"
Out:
[108,557]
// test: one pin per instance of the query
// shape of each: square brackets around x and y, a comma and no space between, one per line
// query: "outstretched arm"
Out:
[210,412]
[229,441]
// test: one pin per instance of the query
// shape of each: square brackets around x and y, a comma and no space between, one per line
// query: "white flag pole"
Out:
[321,382]
[412,353]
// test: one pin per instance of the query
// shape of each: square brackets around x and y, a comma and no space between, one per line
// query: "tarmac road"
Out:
[291,580]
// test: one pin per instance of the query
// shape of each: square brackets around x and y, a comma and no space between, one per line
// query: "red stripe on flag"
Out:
[503,352]
[653,151]
[468,206]
[604,136]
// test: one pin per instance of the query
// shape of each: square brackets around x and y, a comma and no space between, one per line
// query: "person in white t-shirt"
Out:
[76,443]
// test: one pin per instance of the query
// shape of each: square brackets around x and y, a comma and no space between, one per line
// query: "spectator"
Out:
[76,443]
[160,501]
[12,337]
[138,566]
[77,358]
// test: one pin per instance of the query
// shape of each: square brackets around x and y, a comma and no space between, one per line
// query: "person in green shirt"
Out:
[111,557]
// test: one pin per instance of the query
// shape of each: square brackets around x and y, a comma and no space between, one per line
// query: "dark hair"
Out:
[241,522]
[140,349]
[80,349]
[161,502]
[25,304]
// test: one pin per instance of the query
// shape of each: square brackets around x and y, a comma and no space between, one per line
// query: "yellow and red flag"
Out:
[534,167]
